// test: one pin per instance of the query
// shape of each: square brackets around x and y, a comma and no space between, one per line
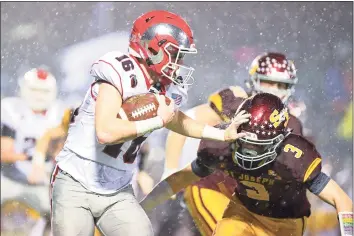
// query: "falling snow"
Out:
[318,36]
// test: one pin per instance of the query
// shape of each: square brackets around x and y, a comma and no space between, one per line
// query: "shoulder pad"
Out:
[301,157]
[108,68]
[225,102]
[238,91]
[295,125]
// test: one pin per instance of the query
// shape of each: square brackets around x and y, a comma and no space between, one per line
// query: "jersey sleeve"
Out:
[302,158]
[295,125]
[225,102]
[108,69]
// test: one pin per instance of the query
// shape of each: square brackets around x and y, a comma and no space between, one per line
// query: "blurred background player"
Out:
[24,172]
[270,72]
[273,169]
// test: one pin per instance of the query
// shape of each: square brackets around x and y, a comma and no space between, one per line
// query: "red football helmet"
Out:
[162,39]
[265,130]
[272,68]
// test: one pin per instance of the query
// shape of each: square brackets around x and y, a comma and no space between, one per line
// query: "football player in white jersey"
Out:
[25,175]
[91,184]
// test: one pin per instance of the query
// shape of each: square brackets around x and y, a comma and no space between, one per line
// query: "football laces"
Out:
[143,110]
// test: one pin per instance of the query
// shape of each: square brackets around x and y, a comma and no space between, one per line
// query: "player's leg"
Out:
[238,221]
[275,227]
[234,227]
[123,215]
[206,207]
[239,227]
[267,226]
[71,213]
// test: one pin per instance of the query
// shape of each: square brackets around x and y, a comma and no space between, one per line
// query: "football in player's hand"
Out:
[140,107]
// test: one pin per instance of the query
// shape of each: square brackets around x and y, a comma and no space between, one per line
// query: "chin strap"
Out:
[346,223]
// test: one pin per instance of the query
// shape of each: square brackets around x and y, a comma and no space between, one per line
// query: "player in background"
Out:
[272,167]
[269,72]
[92,179]
[25,173]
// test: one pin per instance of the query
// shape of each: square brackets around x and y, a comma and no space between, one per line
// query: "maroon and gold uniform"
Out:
[269,197]
[208,198]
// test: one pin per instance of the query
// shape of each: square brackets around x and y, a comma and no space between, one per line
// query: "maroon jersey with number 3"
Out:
[225,103]
[276,190]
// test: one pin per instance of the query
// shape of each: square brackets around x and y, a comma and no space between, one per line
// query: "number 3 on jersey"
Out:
[297,152]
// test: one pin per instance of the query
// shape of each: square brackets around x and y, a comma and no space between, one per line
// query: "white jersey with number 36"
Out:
[103,168]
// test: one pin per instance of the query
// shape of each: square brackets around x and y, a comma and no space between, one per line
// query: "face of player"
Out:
[252,150]
[38,99]
[175,69]
[252,156]
[169,66]
[157,77]
[278,89]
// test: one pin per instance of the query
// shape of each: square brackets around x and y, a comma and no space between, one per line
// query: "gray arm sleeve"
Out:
[318,183]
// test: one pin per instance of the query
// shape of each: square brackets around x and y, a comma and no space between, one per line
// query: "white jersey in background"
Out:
[101,168]
[26,128]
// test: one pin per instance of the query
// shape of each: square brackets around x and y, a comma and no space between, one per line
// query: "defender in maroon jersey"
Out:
[273,169]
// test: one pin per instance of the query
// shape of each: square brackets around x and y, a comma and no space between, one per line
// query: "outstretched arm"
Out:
[333,194]
[221,107]
[329,191]
[175,142]
[186,126]
[178,181]
[169,187]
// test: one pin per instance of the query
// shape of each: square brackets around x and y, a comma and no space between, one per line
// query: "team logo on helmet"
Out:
[276,118]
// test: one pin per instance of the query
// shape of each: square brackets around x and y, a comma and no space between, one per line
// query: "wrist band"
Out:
[146,126]
[346,223]
[212,133]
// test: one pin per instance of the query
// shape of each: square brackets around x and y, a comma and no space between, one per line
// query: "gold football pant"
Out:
[238,220]
[206,206]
